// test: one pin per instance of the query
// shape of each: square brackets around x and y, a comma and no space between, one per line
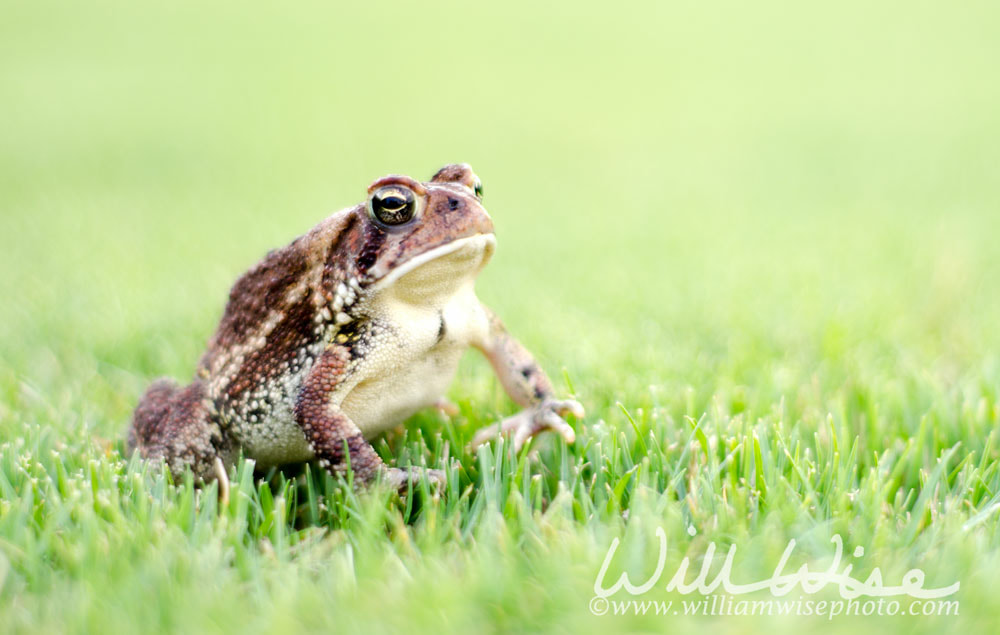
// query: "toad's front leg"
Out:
[334,438]
[526,383]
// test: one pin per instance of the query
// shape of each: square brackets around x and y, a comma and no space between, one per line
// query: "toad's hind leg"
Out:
[173,424]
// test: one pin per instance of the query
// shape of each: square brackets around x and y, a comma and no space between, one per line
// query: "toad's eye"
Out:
[392,205]
[477,187]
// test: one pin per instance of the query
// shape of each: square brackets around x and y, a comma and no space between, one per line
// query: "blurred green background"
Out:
[706,207]
[651,167]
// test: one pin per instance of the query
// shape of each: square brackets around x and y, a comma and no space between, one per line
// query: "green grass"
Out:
[758,242]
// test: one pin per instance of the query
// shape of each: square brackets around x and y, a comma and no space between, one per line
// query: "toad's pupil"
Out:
[393,203]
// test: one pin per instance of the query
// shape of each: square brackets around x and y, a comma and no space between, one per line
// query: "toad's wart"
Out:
[345,332]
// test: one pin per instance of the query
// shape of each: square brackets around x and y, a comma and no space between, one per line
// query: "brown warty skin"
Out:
[344,333]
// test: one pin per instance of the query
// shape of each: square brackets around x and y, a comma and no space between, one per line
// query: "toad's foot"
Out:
[446,407]
[400,478]
[547,415]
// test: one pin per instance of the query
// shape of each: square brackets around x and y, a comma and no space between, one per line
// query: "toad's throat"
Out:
[442,268]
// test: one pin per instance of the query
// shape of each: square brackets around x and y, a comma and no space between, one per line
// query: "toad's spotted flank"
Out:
[345,332]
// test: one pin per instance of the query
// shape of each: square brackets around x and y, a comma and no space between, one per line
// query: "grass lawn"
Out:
[759,242]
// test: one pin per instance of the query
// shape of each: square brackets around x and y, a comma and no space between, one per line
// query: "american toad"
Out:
[345,332]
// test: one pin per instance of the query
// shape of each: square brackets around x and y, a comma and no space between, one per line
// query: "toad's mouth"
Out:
[456,260]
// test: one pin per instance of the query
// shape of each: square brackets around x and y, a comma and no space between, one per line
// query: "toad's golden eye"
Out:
[392,205]
[477,187]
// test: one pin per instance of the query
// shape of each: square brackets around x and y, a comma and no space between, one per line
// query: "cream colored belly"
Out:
[415,364]
[384,400]
[374,404]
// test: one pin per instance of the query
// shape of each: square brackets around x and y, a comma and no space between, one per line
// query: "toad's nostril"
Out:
[452,203]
